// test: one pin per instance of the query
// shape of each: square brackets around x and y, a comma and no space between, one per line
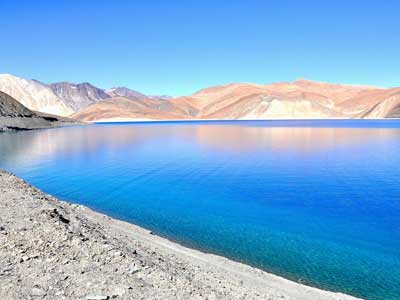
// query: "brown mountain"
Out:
[122,108]
[302,99]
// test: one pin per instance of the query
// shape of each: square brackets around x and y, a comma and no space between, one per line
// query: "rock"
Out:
[133,269]
[55,214]
[24,258]
[64,220]
[36,292]
[97,297]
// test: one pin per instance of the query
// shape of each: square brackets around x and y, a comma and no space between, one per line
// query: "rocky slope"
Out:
[302,99]
[55,250]
[78,96]
[15,116]
[395,112]
[63,98]
[9,107]
[34,95]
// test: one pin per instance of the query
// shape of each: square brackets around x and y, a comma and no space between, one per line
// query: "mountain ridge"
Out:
[299,99]
[78,96]
[61,98]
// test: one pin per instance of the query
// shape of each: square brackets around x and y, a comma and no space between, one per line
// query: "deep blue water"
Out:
[313,201]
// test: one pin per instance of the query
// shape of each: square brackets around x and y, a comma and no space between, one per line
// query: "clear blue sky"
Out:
[177,47]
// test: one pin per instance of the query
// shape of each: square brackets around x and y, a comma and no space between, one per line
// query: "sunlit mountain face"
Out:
[301,99]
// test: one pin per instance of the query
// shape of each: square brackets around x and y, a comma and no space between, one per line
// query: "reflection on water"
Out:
[312,200]
[231,138]
[287,138]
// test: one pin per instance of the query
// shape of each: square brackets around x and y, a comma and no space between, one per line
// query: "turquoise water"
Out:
[313,201]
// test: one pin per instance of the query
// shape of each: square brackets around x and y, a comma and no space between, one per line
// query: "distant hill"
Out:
[125,92]
[159,97]
[78,96]
[122,108]
[132,94]
[15,116]
[301,99]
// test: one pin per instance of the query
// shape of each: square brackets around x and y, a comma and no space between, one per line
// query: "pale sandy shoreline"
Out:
[52,249]
[128,120]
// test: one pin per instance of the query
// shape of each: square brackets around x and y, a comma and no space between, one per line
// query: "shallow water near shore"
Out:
[313,201]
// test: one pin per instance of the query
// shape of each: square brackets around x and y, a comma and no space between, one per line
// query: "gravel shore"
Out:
[14,124]
[50,249]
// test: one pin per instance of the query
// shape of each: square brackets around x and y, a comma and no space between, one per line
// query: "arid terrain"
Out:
[301,99]
[54,250]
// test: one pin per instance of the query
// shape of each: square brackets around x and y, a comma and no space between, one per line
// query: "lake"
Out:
[317,202]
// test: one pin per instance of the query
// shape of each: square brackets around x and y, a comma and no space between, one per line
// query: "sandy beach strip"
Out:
[50,249]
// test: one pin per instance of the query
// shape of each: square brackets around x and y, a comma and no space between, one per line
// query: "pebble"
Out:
[97,297]
[133,269]
[36,292]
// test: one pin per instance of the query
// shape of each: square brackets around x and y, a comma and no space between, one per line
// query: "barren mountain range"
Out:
[301,99]
[78,96]
[61,98]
